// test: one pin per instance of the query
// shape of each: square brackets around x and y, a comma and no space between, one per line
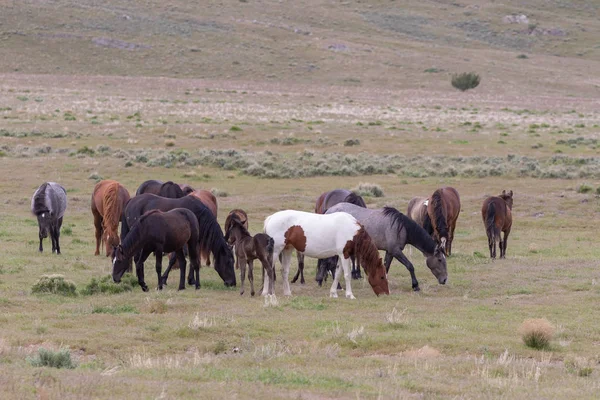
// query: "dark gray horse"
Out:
[391,230]
[49,203]
[324,201]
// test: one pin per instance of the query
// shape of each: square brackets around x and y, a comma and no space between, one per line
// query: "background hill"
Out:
[350,43]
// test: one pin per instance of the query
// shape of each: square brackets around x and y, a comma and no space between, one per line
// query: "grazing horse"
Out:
[249,248]
[211,236]
[159,232]
[497,216]
[166,189]
[391,230]
[323,236]
[108,202]
[443,210]
[206,197]
[48,204]
[417,211]
[324,201]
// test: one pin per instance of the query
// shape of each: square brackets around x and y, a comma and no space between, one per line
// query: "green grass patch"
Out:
[106,285]
[55,284]
[53,359]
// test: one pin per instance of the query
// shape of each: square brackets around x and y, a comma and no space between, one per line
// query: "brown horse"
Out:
[443,209]
[108,202]
[238,214]
[160,232]
[497,216]
[187,189]
[207,198]
[249,248]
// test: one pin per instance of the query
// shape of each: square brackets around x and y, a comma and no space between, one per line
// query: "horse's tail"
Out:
[490,226]
[38,202]
[113,208]
[270,248]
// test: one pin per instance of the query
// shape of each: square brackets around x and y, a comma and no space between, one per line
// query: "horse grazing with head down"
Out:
[323,203]
[159,188]
[108,202]
[159,232]
[211,236]
[249,248]
[323,236]
[497,217]
[390,230]
[48,204]
[443,209]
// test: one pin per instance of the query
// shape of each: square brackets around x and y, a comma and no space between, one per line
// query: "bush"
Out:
[55,284]
[106,285]
[465,81]
[368,189]
[536,333]
[54,359]
[352,142]
[584,188]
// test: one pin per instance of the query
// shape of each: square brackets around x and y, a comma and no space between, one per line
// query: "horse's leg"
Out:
[41,235]
[490,243]
[251,275]
[355,271]
[159,256]
[181,259]
[139,268]
[300,257]
[451,237]
[295,278]
[99,231]
[242,266]
[347,265]
[399,255]
[388,261]
[172,261]
[336,280]
[58,226]
[285,271]
[503,248]
[269,277]
[321,272]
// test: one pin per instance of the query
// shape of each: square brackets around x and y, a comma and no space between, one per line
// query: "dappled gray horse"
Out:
[49,203]
[391,230]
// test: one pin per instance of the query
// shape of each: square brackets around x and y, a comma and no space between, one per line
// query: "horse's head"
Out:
[437,264]
[111,240]
[224,265]
[120,264]
[378,279]
[508,198]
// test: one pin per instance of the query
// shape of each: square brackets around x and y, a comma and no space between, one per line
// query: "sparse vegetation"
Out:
[53,359]
[537,333]
[368,189]
[465,81]
[54,284]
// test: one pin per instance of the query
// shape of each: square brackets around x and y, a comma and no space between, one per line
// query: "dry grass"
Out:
[537,333]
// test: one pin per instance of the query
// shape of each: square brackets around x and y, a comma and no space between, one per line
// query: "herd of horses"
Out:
[169,218]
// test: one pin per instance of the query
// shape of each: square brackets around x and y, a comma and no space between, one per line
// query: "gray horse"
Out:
[391,230]
[49,203]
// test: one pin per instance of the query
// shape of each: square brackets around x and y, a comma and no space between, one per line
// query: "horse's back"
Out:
[208,199]
[150,186]
[417,210]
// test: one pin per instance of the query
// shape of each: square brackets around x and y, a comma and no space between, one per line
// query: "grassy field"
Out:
[271,104]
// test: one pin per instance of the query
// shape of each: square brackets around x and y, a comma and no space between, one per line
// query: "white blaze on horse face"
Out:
[114,261]
[43,215]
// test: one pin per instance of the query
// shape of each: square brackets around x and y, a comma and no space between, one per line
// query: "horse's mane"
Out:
[355,199]
[438,212]
[415,235]
[365,250]
[112,207]
[211,236]
[132,241]
[39,205]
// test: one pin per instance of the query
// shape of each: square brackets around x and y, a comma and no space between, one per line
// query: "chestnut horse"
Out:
[443,210]
[108,203]
[497,217]
[160,232]
[324,202]
[209,200]
[323,236]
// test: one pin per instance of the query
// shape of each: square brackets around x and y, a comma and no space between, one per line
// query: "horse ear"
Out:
[503,192]
[511,193]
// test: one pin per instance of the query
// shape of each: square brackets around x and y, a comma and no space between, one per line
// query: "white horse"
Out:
[323,236]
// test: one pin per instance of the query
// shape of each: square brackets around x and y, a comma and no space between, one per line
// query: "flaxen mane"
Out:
[438,210]
[39,201]
[112,208]
[415,235]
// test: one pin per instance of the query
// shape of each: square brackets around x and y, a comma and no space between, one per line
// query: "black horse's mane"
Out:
[39,201]
[355,199]
[440,220]
[415,235]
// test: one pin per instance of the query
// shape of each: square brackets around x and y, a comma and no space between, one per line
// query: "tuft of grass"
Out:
[235,128]
[67,231]
[118,309]
[522,56]
[584,188]
[54,359]
[536,333]
[368,189]
[106,285]
[352,142]
[55,284]
[465,81]
[169,143]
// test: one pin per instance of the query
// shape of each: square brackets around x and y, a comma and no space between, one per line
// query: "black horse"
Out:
[211,236]
[159,232]
[164,189]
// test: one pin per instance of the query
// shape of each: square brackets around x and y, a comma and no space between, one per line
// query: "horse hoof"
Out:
[197,287]
[181,288]
[145,288]
[334,295]
[302,282]
[252,294]
[417,289]
[351,297]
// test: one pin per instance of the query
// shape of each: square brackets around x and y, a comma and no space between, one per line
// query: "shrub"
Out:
[584,188]
[465,81]
[235,128]
[536,333]
[522,56]
[54,359]
[55,284]
[368,189]
[352,142]
[106,285]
